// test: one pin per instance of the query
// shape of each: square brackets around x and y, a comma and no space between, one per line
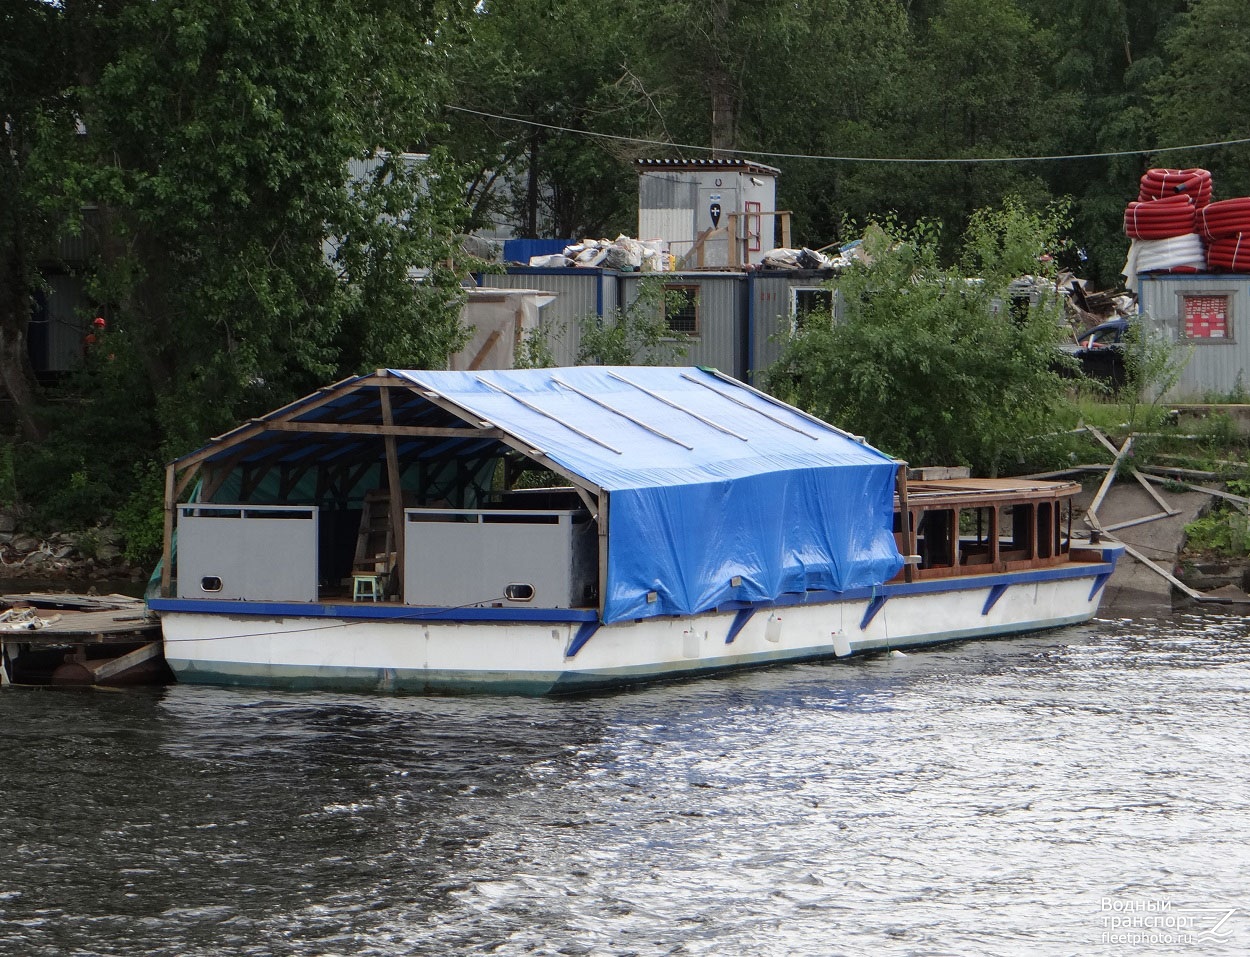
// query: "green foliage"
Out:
[1152,366]
[222,164]
[1194,103]
[1221,533]
[141,518]
[105,419]
[637,334]
[1012,239]
[924,364]
[536,349]
[8,477]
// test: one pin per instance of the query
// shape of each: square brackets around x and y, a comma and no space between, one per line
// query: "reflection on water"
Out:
[992,797]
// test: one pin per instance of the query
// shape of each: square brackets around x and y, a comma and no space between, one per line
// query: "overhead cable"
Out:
[851,159]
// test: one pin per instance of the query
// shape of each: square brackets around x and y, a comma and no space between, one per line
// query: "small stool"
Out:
[365,586]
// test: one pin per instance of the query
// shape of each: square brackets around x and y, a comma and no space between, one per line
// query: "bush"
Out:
[926,362]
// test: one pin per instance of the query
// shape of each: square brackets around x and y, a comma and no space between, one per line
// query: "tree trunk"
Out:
[16,375]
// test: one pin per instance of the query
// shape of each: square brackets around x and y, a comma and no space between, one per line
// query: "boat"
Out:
[554,531]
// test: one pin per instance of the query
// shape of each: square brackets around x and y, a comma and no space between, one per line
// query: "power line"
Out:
[851,159]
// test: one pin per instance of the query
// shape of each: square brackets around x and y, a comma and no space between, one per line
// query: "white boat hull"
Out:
[408,649]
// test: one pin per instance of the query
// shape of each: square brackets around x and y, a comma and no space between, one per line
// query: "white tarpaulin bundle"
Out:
[623,254]
[1151,255]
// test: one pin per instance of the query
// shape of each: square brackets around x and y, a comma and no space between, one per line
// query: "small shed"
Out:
[713,212]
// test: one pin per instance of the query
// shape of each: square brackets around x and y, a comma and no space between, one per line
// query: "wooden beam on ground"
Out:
[1141,480]
[1107,443]
[115,666]
[1129,523]
[1109,478]
[1159,570]
[1241,503]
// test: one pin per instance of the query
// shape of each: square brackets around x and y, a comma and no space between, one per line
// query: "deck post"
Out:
[603,551]
[396,491]
[167,550]
[904,517]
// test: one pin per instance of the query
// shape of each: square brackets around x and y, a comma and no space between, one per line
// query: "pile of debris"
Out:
[623,254]
[1087,308]
[91,555]
[805,258]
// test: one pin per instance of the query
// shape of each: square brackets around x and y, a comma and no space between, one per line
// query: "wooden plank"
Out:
[1137,521]
[398,431]
[105,669]
[1109,478]
[910,558]
[1104,440]
[1141,480]
[476,362]
[1192,593]
[167,545]
[1240,501]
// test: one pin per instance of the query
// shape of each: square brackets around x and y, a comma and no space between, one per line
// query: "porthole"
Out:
[210,583]
[518,591]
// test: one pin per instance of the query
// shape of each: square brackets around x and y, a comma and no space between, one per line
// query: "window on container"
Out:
[1207,318]
[807,303]
[681,309]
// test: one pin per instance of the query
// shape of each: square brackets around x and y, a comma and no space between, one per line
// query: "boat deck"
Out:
[53,620]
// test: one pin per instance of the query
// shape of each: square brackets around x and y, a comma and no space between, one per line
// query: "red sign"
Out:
[1206,317]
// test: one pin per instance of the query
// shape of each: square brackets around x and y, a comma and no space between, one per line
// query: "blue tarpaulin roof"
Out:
[716,492]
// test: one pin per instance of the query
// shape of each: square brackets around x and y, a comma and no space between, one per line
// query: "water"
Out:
[1010,797]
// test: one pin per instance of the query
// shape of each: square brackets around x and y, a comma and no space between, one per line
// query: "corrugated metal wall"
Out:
[773,313]
[579,293]
[670,189]
[722,317]
[772,320]
[1215,366]
[741,314]
[56,332]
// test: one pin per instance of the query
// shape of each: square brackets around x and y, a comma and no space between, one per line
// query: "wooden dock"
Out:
[50,638]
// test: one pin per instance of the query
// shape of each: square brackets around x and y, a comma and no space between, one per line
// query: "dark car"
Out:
[1100,351]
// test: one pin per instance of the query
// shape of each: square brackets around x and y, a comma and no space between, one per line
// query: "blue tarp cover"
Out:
[716,493]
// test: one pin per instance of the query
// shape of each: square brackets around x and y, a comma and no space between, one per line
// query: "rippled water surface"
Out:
[1079,792]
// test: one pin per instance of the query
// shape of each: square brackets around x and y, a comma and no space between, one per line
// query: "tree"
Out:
[34,107]
[925,362]
[219,136]
[559,65]
[1203,92]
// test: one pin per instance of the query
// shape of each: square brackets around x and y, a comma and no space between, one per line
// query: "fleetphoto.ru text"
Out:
[1157,921]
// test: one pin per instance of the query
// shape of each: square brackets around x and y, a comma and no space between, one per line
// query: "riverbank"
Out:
[92,556]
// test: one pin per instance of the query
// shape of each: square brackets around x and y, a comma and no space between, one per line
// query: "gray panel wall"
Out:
[578,294]
[722,318]
[264,553]
[1214,366]
[457,557]
[772,300]
[68,318]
